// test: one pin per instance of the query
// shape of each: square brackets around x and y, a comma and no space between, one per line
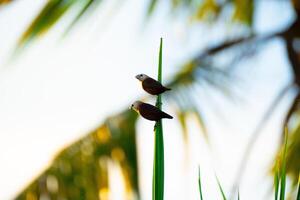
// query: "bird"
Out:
[151,85]
[149,111]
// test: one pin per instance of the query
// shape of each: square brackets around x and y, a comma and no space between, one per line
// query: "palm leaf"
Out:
[81,170]
[48,16]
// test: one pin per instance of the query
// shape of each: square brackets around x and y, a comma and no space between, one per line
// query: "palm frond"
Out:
[52,13]
[48,16]
[81,170]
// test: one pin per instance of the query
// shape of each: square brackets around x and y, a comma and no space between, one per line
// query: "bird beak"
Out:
[137,77]
[130,107]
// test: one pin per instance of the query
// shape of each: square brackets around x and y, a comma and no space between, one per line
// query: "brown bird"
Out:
[150,85]
[149,112]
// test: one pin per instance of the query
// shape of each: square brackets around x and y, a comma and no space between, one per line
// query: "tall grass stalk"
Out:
[158,164]
[199,184]
[220,188]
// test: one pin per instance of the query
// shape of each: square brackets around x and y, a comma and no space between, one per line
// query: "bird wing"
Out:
[150,112]
[152,84]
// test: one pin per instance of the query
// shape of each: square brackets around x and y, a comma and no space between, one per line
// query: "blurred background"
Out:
[67,72]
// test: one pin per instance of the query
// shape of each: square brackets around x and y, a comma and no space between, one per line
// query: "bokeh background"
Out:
[67,80]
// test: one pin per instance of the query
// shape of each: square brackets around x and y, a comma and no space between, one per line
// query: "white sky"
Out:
[59,90]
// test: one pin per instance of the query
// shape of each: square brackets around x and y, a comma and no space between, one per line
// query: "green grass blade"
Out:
[220,188]
[199,183]
[158,164]
[283,168]
[298,195]
[276,182]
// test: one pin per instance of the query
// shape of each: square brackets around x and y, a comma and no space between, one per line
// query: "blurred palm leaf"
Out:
[243,11]
[48,16]
[292,157]
[81,170]
[209,9]
[54,10]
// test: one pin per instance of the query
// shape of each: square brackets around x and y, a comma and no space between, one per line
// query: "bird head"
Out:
[135,105]
[141,77]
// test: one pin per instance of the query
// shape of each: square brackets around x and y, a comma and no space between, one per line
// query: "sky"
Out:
[59,90]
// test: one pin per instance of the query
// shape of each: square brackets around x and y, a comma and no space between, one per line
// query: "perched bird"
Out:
[149,112]
[150,85]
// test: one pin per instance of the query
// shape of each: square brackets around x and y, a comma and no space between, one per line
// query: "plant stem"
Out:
[158,164]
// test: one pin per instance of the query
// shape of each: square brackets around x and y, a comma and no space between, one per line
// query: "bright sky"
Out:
[59,90]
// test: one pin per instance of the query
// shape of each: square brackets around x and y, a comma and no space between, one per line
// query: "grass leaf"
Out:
[199,182]
[158,164]
[220,188]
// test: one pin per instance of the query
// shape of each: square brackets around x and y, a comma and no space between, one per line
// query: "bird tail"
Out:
[167,116]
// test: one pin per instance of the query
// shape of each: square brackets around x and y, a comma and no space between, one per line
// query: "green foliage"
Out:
[243,11]
[48,16]
[209,9]
[158,164]
[52,12]
[212,10]
[151,6]
[292,155]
